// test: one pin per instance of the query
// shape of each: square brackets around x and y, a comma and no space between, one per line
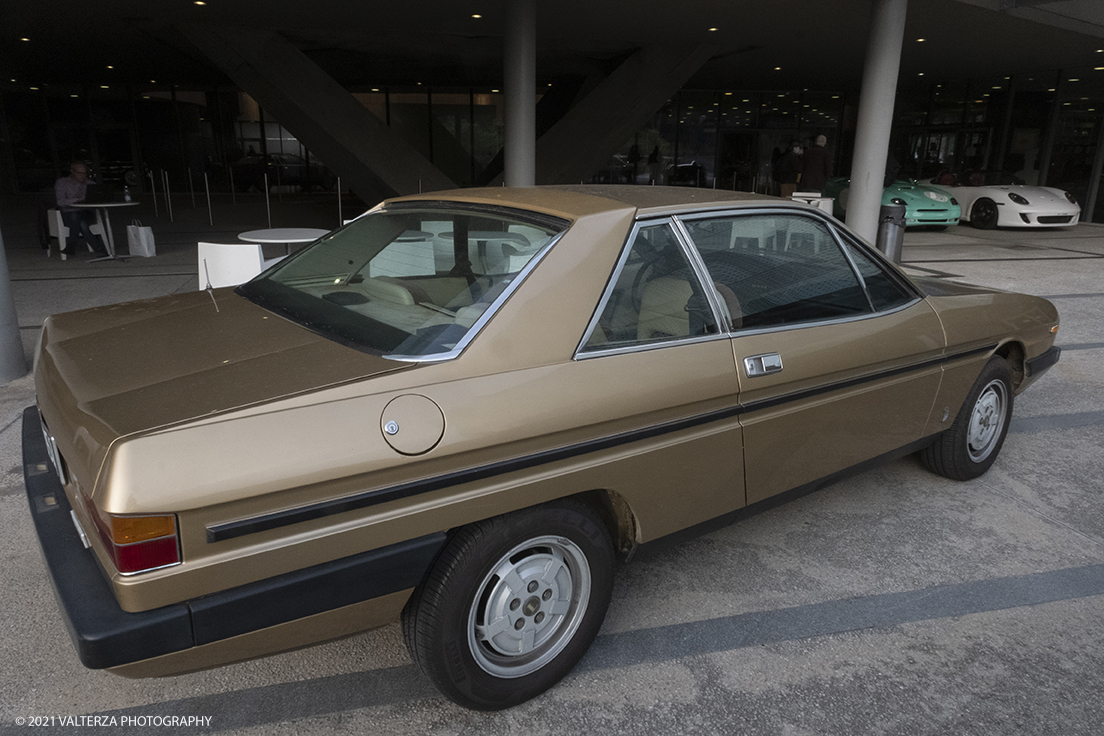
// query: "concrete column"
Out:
[12,363]
[879,90]
[520,74]
[1088,207]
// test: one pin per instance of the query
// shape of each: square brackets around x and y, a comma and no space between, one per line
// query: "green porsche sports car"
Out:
[924,205]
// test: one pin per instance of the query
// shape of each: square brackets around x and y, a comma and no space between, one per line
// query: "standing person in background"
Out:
[789,169]
[69,190]
[816,166]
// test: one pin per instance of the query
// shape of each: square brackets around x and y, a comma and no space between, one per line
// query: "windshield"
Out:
[407,283]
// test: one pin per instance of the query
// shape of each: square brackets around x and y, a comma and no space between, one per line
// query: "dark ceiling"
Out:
[760,44]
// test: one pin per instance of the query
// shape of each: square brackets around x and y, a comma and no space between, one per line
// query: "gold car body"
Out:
[272,444]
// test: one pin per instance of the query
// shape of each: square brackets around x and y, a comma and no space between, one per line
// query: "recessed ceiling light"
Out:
[712,30]
[778,68]
[24,39]
[920,74]
[1073,80]
[476,16]
[104,86]
[199,2]
[110,67]
[921,40]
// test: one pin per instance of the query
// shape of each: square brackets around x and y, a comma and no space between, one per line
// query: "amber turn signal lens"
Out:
[131,529]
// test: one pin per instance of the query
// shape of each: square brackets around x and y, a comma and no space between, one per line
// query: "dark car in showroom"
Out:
[282,169]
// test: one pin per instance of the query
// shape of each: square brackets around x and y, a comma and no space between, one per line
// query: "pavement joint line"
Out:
[1003,260]
[1056,422]
[82,277]
[1082,346]
[403,684]
[1037,513]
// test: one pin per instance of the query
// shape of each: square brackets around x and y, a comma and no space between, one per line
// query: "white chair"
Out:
[57,229]
[230,264]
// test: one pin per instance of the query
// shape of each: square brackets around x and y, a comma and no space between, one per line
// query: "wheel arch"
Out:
[618,516]
[1014,353]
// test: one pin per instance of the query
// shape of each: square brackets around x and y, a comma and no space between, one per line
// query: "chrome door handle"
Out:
[761,365]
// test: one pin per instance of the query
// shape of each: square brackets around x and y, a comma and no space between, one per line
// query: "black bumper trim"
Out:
[1040,364]
[106,636]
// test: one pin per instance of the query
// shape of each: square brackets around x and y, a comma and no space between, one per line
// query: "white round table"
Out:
[283,235]
[103,217]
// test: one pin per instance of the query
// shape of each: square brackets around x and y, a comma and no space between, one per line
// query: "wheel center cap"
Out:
[531,606]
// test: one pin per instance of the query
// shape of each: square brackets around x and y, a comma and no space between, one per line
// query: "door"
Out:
[838,358]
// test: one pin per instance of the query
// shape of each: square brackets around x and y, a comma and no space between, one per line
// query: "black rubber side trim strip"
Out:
[265,522]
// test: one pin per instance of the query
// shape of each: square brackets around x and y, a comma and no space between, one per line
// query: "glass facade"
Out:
[1046,128]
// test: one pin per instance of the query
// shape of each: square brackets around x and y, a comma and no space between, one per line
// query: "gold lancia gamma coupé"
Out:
[462,408]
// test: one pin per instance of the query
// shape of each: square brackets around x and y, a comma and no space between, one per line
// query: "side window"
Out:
[885,291]
[777,269]
[655,296]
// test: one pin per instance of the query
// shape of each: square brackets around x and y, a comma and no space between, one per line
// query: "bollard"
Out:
[891,231]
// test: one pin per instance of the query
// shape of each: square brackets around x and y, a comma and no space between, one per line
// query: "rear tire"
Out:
[511,604]
[970,446]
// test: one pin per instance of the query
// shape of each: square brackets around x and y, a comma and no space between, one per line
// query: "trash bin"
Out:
[891,231]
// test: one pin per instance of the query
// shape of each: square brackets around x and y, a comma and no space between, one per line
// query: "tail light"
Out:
[138,543]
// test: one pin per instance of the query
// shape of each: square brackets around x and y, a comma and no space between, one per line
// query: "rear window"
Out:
[410,283]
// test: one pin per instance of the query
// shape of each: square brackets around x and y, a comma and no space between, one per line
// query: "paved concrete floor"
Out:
[895,602]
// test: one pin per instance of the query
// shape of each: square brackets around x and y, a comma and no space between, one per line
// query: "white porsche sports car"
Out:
[996,198]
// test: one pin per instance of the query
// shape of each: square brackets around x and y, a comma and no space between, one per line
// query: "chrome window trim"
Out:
[841,246]
[692,258]
[720,309]
[648,346]
[837,234]
[845,236]
[484,318]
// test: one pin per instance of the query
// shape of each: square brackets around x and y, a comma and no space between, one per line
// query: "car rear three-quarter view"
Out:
[463,408]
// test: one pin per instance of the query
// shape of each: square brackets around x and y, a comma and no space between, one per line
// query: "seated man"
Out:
[70,190]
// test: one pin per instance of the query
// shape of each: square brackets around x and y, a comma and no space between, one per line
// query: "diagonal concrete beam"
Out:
[353,142]
[598,125]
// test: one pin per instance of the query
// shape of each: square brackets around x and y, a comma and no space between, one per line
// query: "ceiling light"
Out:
[24,39]
[110,67]
[921,40]
[477,16]
[778,68]
[199,2]
[712,30]
[1073,80]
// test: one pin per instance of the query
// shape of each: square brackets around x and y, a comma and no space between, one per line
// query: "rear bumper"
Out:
[106,636]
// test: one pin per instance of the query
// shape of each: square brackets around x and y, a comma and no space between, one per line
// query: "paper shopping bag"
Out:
[140,240]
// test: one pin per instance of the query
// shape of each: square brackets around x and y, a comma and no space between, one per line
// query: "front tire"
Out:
[512,604]
[983,215]
[970,446]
